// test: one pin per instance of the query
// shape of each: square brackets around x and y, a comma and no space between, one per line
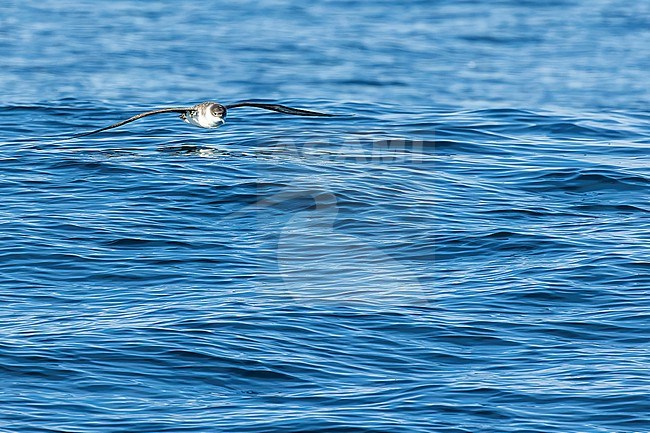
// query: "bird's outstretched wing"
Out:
[280,109]
[134,118]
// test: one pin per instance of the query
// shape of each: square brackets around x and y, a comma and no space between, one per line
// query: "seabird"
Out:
[208,114]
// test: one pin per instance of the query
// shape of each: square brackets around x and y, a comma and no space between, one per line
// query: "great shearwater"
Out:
[208,114]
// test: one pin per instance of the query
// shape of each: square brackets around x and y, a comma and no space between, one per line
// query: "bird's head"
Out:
[215,114]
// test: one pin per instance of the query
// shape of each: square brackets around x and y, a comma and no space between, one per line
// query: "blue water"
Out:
[464,249]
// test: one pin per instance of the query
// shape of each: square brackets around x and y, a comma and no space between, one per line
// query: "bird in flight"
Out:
[208,114]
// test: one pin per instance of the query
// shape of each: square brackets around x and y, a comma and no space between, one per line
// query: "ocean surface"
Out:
[465,247]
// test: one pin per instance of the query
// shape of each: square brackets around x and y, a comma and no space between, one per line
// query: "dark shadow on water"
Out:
[186,149]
